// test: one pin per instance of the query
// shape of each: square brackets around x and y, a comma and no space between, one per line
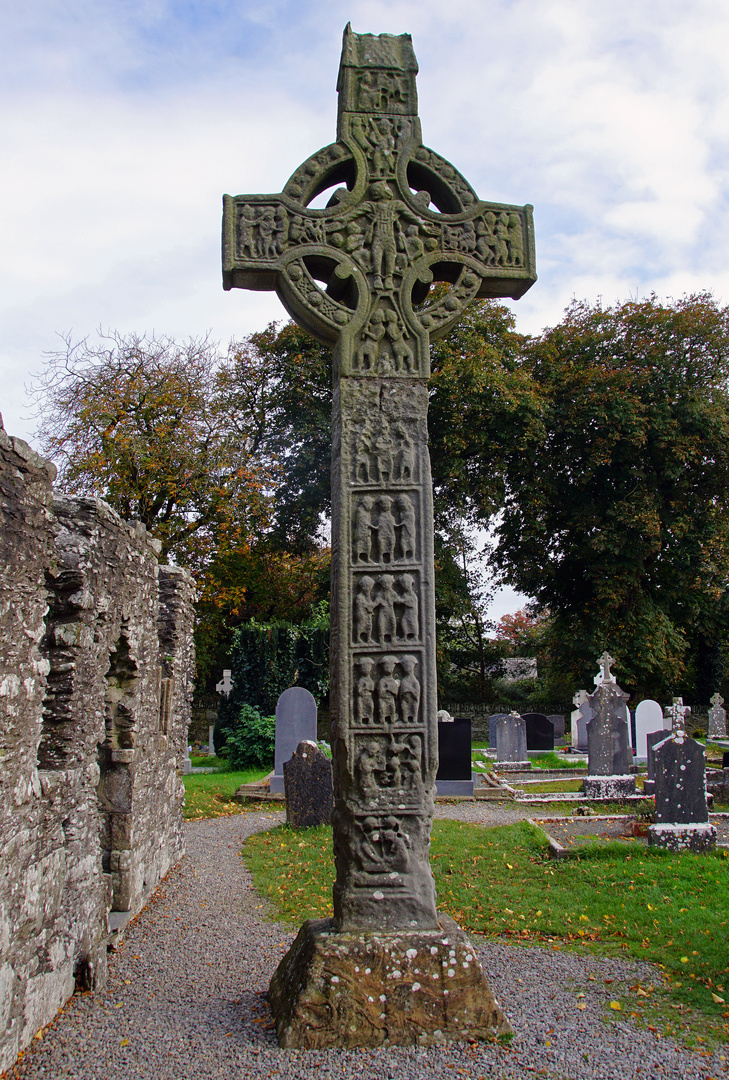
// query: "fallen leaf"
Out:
[684,959]
[717,999]
[124,1042]
[616,1005]
[510,866]
[581,1005]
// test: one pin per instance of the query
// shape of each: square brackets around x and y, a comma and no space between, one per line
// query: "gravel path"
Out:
[185,999]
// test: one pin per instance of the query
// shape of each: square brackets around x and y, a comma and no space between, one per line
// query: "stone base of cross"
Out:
[358,274]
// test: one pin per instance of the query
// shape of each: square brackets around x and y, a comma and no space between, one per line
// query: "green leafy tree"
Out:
[616,515]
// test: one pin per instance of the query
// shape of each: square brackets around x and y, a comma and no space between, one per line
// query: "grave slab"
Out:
[308,787]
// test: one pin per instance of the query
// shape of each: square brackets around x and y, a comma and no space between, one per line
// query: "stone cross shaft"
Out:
[357,274]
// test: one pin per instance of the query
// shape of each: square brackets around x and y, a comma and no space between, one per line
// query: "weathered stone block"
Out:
[408,988]
[608,787]
[699,838]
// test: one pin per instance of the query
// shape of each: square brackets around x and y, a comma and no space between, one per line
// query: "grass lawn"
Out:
[208,794]
[553,786]
[671,910]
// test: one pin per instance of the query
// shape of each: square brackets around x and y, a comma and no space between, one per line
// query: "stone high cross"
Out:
[358,275]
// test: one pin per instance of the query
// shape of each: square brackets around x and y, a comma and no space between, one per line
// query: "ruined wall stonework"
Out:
[96,660]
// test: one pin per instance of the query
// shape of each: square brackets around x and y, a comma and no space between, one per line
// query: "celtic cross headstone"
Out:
[357,274]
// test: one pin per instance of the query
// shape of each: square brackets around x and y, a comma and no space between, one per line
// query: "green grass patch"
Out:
[208,795]
[553,786]
[551,760]
[672,910]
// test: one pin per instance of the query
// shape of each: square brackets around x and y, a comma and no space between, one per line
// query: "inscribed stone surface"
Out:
[308,787]
[608,746]
[511,740]
[680,776]
[295,723]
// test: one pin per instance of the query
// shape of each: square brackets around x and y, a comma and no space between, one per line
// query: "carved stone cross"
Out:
[357,274]
[604,674]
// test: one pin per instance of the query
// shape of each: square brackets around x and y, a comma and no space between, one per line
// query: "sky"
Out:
[122,123]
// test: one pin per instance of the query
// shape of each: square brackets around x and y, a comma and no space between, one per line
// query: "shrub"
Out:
[251,742]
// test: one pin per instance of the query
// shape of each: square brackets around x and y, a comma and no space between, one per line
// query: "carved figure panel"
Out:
[386,609]
[386,691]
[383,844]
[383,453]
[384,529]
[388,766]
[383,91]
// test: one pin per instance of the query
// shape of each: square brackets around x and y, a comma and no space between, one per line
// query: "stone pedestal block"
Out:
[512,766]
[698,838]
[407,988]
[608,787]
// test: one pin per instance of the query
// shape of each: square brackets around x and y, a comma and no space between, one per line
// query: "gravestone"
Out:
[357,275]
[558,724]
[308,787]
[454,775]
[651,739]
[608,746]
[604,674]
[226,683]
[678,714]
[578,700]
[717,718]
[295,723]
[493,721]
[511,743]
[648,717]
[539,731]
[211,744]
[682,814]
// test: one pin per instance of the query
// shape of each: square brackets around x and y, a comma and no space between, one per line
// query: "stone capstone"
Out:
[408,988]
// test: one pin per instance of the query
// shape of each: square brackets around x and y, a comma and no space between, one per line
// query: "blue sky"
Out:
[122,123]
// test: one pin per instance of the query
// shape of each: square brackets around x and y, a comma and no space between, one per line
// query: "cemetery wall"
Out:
[95,688]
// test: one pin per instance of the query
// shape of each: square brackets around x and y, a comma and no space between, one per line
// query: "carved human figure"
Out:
[468,237]
[364,692]
[386,530]
[387,690]
[486,240]
[372,335]
[247,232]
[516,244]
[406,752]
[363,456]
[409,622]
[502,240]
[266,234]
[396,843]
[409,691]
[383,455]
[404,456]
[363,529]
[369,765]
[406,526]
[383,154]
[400,349]
[384,211]
[281,230]
[370,835]
[364,607]
[368,92]
[385,601]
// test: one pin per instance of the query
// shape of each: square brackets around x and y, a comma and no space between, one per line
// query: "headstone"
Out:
[578,700]
[651,739]
[308,787]
[539,731]
[211,744]
[444,717]
[682,815]
[679,714]
[717,718]
[608,746]
[558,724]
[725,760]
[295,723]
[511,743]
[648,717]
[376,248]
[225,685]
[454,758]
[187,763]
[493,720]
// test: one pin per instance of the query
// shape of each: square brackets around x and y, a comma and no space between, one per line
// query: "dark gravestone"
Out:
[682,815]
[308,785]
[493,720]
[295,723]
[652,738]
[539,731]
[725,760]
[454,758]
[511,742]
[558,723]
[608,745]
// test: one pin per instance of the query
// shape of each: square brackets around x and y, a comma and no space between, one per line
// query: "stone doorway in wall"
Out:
[116,781]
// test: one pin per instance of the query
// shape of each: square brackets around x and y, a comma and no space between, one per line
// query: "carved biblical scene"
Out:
[383,452]
[386,691]
[384,347]
[386,609]
[383,847]
[384,529]
[388,767]
[383,91]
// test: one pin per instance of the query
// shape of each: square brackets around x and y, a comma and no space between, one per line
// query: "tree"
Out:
[616,517]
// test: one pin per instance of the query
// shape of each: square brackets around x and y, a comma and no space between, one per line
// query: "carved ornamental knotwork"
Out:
[357,273]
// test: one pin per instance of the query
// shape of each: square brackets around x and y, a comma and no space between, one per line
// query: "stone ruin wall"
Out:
[96,659]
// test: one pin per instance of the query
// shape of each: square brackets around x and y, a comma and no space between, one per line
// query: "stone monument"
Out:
[357,275]
[608,745]
[682,815]
[648,718]
[511,744]
[717,718]
[295,723]
[308,787]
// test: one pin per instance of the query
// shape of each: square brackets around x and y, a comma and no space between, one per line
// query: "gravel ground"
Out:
[185,999]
